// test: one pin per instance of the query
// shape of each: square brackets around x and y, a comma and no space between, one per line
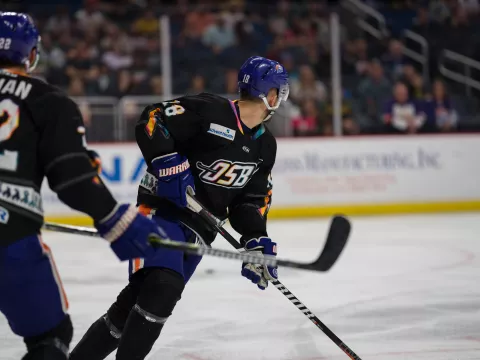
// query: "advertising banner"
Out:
[344,172]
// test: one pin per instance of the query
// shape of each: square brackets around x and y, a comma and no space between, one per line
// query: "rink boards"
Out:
[323,176]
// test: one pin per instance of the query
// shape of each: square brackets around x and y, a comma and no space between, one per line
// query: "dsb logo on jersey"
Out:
[227,174]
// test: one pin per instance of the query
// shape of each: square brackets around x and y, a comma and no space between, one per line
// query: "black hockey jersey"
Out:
[231,163]
[42,135]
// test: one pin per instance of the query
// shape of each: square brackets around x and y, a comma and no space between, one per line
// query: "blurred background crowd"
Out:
[105,52]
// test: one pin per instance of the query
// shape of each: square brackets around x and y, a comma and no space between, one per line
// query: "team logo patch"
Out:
[4,215]
[222,131]
[226,173]
[152,122]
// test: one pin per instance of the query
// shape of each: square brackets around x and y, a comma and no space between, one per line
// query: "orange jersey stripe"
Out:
[56,275]
[144,209]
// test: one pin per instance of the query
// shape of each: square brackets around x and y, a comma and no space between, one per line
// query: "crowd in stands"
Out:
[113,48]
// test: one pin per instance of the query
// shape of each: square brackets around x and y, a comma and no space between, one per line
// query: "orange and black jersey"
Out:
[231,163]
[42,135]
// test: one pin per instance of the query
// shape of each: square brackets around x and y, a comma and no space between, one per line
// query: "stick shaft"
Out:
[197,207]
[188,248]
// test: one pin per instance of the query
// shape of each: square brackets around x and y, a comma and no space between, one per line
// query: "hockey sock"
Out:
[100,340]
[141,331]
[161,289]
[52,345]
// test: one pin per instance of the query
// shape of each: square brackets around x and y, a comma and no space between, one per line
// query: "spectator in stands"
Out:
[356,57]
[76,87]
[408,74]
[52,62]
[288,62]
[82,56]
[317,59]
[156,86]
[307,86]
[125,83]
[102,81]
[231,81]
[423,26]
[470,6]
[394,60]
[458,30]
[114,36]
[218,36]
[300,33]
[89,16]
[349,125]
[117,58]
[373,92]
[308,123]
[279,21]
[446,118]
[59,22]
[278,49]
[401,115]
[439,11]
[234,13]
[147,24]
[419,90]
[362,56]
[197,85]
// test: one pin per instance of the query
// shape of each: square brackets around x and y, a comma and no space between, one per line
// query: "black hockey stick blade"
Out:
[336,240]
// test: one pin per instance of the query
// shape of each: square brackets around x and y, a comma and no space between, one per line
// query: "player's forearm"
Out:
[247,220]
[99,202]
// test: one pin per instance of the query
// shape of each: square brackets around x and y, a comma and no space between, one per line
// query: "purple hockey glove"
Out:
[174,177]
[260,274]
[129,232]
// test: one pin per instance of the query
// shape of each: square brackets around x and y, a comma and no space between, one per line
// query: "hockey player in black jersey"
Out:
[221,150]
[42,135]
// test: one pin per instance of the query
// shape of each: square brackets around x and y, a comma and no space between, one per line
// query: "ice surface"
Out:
[405,288]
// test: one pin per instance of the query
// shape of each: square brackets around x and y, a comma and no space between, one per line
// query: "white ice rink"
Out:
[405,288]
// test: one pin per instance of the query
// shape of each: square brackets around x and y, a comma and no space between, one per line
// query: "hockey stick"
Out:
[194,249]
[336,240]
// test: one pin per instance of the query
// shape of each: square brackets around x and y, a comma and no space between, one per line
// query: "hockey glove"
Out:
[129,232]
[260,274]
[174,178]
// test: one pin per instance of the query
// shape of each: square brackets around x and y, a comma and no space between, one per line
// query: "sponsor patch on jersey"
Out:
[4,215]
[222,131]
[23,197]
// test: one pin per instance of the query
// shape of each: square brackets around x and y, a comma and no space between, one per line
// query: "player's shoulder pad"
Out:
[195,104]
[202,103]
[54,103]
[39,87]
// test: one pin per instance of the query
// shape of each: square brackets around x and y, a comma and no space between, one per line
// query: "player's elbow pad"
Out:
[76,183]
